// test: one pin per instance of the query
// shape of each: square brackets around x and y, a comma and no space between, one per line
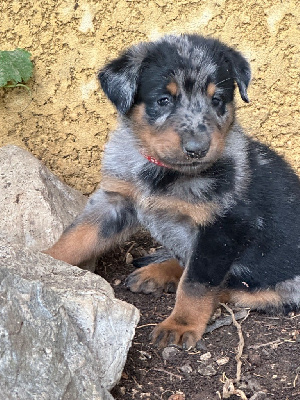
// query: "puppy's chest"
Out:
[170,203]
[199,213]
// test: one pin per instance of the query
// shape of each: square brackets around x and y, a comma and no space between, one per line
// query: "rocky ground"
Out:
[270,362]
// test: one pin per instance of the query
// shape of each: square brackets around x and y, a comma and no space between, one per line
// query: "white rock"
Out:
[63,335]
[205,356]
[186,368]
[207,370]
[35,206]
[170,352]
[222,361]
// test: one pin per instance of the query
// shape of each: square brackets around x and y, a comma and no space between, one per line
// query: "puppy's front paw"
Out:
[178,332]
[187,322]
[154,277]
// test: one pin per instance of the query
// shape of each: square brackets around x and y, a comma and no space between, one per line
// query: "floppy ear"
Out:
[242,72]
[119,78]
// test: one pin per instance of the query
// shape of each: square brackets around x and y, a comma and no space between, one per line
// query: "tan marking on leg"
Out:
[259,299]
[211,89]
[201,213]
[76,246]
[224,296]
[165,275]
[187,322]
[173,88]
[116,185]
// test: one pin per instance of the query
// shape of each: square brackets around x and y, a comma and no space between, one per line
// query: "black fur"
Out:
[132,77]
[121,217]
[158,178]
[253,242]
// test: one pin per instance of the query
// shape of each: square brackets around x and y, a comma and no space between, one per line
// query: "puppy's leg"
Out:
[77,244]
[260,299]
[198,290]
[195,303]
[108,219]
[160,255]
[164,275]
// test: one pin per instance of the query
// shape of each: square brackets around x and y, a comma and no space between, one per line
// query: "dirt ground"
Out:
[270,359]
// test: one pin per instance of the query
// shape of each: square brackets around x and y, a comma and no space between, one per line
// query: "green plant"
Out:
[15,68]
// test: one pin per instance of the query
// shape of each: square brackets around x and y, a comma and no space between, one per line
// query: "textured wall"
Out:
[67,121]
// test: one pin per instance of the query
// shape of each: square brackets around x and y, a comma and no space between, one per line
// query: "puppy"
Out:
[224,207]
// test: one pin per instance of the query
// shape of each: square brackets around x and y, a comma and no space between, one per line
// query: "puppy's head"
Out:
[178,96]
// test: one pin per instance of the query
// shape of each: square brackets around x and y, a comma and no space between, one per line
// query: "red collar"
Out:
[154,161]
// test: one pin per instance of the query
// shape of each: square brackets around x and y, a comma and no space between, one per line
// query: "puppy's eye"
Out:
[216,101]
[164,101]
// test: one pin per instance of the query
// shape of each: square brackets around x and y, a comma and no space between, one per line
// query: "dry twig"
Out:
[296,377]
[168,372]
[143,326]
[241,342]
[274,344]
[228,388]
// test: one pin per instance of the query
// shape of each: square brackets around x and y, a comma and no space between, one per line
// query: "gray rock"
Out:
[63,335]
[186,369]
[207,370]
[170,352]
[35,206]
[259,396]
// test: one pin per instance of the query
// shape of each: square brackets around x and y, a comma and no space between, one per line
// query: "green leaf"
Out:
[15,67]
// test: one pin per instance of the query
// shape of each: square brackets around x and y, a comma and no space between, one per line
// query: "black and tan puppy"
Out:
[225,208]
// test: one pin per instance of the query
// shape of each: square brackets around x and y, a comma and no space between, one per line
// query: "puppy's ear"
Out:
[241,70]
[119,78]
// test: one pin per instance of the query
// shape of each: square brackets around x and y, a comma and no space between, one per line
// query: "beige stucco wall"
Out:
[67,120]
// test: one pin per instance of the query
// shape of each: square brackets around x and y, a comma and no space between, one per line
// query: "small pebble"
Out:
[217,314]
[254,359]
[186,368]
[259,396]
[144,355]
[207,370]
[205,356]
[177,396]
[122,390]
[128,258]
[169,352]
[222,361]
[253,384]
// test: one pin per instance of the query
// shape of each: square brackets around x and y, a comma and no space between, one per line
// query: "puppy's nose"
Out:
[195,148]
